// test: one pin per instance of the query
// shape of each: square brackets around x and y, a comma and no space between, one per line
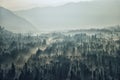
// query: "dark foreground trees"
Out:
[107,69]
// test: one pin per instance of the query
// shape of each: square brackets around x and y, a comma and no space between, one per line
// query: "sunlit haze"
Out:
[25,4]
[55,15]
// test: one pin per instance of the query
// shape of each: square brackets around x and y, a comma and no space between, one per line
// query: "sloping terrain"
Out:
[13,22]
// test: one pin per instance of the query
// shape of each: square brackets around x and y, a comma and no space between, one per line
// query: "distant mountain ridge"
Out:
[74,15]
[13,22]
[82,15]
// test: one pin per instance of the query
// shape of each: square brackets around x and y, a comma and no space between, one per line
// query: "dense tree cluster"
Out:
[74,55]
[13,45]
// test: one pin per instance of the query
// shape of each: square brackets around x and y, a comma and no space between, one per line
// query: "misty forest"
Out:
[59,39]
[86,54]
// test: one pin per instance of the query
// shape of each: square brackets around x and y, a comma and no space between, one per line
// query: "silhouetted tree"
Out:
[1,73]
[37,75]
[11,73]
[25,73]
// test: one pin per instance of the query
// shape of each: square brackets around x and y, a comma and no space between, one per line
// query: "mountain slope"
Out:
[74,15]
[13,22]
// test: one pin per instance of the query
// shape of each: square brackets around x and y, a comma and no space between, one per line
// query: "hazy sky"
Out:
[24,4]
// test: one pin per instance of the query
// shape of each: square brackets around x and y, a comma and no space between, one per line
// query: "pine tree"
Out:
[11,73]
[1,73]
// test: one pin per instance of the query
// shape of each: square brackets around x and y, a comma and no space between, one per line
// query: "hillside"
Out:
[13,22]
